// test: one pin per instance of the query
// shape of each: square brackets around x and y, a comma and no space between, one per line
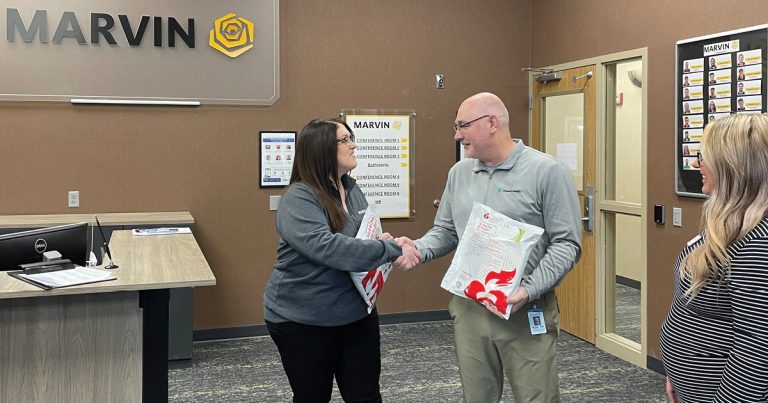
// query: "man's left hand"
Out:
[518,299]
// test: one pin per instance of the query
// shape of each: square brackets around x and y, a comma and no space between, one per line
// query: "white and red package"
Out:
[370,283]
[490,260]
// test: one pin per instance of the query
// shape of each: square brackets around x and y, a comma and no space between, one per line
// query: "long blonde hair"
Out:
[735,149]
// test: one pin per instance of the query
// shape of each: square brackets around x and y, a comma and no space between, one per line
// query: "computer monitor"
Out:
[70,240]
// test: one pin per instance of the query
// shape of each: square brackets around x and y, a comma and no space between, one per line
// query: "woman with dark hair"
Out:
[714,342]
[313,311]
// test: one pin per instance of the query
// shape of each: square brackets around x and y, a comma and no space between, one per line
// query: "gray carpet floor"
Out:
[418,365]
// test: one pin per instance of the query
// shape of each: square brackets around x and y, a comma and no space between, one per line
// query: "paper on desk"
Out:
[161,231]
[490,260]
[65,278]
[370,283]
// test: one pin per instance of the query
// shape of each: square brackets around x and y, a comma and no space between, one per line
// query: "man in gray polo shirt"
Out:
[529,186]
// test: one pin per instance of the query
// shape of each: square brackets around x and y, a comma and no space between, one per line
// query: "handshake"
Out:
[410,257]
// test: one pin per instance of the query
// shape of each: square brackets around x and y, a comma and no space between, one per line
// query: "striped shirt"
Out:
[715,346]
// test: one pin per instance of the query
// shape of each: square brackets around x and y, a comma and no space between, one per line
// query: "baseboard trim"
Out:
[413,317]
[261,330]
[628,282]
[225,333]
[655,364]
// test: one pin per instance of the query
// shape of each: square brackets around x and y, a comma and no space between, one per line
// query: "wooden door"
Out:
[563,125]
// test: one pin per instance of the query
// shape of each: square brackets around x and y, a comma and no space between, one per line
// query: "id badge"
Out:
[536,321]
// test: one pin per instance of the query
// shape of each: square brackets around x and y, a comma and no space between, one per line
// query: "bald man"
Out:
[528,186]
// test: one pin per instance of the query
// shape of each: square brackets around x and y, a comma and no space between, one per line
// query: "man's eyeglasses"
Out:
[464,126]
[346,139]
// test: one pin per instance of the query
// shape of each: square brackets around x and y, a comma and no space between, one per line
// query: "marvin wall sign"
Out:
[134,51]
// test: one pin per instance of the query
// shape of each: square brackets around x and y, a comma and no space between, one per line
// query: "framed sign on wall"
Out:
[277,150]
[384,147]
[717,75]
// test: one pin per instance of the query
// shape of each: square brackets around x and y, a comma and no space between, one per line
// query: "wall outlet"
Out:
[73,198]
[677,216]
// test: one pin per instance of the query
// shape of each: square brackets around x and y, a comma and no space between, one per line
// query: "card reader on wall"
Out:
[658,214]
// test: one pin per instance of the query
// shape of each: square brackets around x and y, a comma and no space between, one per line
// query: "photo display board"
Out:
[277,150]
[717,75]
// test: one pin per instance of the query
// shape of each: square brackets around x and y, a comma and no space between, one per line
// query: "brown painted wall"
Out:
[564,31]
[334,54]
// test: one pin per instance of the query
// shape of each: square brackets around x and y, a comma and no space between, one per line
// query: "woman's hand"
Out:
[411,256]
[671,393]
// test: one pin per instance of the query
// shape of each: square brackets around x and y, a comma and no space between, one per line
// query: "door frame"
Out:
[612,343]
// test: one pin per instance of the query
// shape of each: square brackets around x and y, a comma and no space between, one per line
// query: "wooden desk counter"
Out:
[100,342]
[106,219]
[146,263]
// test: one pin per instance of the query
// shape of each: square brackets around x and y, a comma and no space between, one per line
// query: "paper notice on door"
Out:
[566,152]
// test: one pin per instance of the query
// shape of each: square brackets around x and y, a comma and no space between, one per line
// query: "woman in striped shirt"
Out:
[714,342]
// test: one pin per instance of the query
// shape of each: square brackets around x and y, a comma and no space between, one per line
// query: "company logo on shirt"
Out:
[232,35]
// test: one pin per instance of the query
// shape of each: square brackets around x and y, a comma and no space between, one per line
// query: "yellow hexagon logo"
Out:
[232,35]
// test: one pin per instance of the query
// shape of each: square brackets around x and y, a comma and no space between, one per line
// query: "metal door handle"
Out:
[589,207]
[436,203]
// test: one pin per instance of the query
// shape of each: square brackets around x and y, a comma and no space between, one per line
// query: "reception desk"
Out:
[98,342]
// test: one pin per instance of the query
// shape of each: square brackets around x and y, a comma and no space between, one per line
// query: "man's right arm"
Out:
[437,242]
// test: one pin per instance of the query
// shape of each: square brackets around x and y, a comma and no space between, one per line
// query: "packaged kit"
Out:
[370,283]
[490,260]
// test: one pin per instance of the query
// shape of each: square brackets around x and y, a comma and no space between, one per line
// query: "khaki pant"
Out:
[488,346]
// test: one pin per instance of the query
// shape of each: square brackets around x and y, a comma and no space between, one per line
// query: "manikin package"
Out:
[490,260]
[370,283]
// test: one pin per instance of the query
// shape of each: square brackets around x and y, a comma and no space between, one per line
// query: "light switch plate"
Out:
[274,202]
[677,216]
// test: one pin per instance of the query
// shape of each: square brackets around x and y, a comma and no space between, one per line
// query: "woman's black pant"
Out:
[313,355]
